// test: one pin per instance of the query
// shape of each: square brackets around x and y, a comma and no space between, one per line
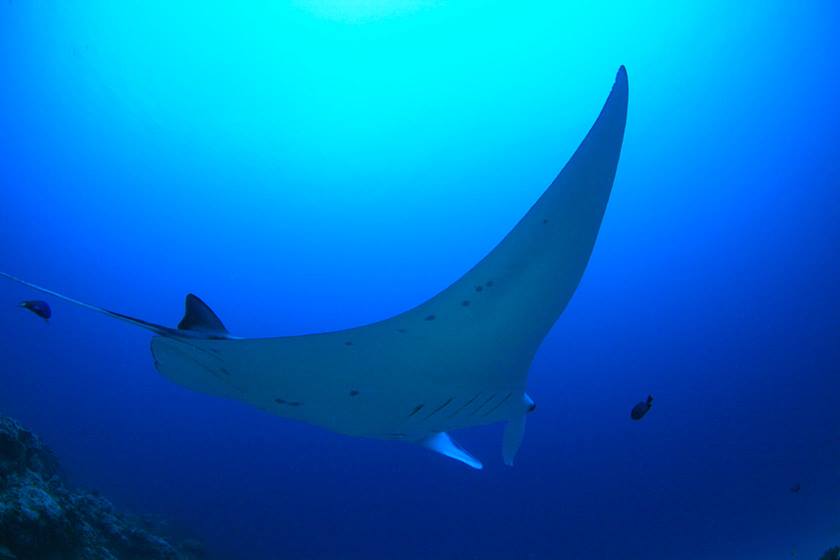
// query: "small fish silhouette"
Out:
[641,408]
[38,307]
[796,488]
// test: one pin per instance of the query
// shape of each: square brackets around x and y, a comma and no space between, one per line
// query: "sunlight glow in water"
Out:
[313,165]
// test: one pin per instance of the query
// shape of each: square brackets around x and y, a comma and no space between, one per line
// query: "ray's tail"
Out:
[199,320]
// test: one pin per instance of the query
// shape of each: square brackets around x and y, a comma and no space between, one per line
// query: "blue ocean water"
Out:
[307,166]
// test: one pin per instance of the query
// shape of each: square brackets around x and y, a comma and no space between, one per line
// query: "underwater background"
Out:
[308,166]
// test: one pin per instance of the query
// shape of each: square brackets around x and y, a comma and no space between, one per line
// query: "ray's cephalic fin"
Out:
[442,443]
[515,431]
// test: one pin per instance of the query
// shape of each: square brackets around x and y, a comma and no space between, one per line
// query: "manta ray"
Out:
[457,360]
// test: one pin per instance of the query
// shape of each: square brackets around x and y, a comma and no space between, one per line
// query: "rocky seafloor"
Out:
[43,518]
[831,554]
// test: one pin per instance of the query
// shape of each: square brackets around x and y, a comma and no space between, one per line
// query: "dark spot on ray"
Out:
[463,406]
[348,343]
[354,392]
[430,318]
[498,404]
[280,401]
[545,221]
[479,288]
[532,407]
[441,407]
[465,303]
[489,283]
[417,409]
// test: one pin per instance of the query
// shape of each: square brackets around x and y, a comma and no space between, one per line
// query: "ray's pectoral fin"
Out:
[445,445]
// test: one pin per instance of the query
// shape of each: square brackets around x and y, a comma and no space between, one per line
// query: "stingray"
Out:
[457,360]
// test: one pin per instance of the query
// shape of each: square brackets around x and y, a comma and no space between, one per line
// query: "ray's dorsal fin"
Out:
[198,317]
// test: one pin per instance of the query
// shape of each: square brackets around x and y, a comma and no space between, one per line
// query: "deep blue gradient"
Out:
[312,167]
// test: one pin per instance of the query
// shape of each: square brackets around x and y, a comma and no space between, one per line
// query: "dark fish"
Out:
[796,488]
[641,408]
[38,307]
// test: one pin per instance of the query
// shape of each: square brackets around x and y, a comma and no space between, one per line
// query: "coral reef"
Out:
[41,518]
[831,554]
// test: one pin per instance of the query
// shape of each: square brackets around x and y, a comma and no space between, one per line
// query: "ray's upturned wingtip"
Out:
[621,78]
